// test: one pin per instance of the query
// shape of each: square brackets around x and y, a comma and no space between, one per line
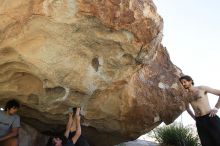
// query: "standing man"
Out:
[207,122]
[9,124]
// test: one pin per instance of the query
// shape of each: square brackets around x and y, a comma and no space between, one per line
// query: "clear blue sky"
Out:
[192,38]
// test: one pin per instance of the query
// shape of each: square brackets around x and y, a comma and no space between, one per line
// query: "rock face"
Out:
[103,55]
[28,136]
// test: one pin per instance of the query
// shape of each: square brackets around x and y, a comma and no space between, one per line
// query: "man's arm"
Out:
[68,126]
[210,90]
[214,111]
[78,126]
[190,112]
[13,133]
[218,103]
[77,111]
[215,92]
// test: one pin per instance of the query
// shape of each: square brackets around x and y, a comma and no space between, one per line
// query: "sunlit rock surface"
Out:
[103,55]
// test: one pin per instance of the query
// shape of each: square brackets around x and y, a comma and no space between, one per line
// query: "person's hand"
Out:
[70,114]
[213,112]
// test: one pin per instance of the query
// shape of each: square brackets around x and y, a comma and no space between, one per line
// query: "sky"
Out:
[191,35]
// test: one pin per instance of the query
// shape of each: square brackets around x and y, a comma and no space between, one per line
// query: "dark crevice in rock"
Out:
[95,63]
[55,90]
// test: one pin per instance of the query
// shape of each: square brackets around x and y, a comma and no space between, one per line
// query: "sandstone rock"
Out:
[28,136]
[103,55]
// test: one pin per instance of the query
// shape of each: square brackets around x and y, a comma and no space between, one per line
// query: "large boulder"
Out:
[103,55]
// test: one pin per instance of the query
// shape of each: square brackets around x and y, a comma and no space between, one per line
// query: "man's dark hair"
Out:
[186,77]
[50,142]
[12,103]
[62,137]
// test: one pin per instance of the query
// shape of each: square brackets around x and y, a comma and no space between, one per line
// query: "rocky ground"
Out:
[140,143]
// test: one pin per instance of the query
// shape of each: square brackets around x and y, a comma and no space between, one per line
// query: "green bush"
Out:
[175,135]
